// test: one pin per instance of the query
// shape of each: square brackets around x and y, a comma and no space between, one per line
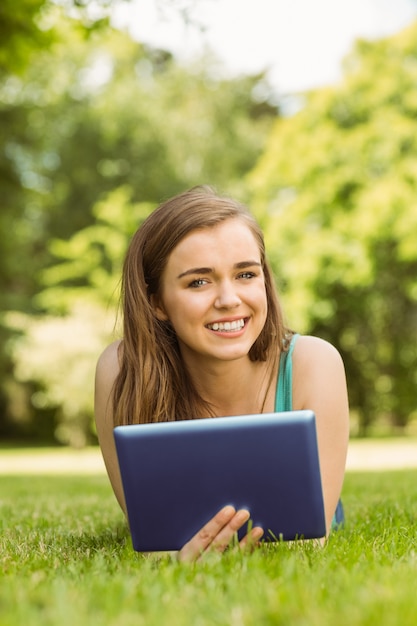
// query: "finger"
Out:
[252,538]
[226,535]
[201,540]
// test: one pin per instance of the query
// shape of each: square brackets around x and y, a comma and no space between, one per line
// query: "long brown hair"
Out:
[153,384]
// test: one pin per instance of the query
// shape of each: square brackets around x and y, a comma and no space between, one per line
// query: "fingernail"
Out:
[228,510]
[257,533]
[242,516]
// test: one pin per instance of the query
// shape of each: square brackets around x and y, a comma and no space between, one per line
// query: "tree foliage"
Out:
[98,118]
[337,190]
[96,129]
[59,349]
[26,27]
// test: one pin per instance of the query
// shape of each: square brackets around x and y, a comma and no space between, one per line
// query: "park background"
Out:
[97,127]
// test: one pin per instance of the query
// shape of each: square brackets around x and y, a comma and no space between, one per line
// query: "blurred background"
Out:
[307,113]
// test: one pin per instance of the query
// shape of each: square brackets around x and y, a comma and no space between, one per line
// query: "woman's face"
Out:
[213,293]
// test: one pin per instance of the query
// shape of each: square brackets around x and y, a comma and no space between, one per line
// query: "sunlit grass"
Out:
[66,558]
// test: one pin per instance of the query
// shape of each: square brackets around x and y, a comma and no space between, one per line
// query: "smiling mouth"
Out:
[227,327]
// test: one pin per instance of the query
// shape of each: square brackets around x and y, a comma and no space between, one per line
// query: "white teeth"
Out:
[227,326]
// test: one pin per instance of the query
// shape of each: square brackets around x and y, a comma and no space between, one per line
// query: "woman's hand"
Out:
[217,534]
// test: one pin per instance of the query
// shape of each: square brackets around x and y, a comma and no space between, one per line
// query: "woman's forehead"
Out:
[230,235]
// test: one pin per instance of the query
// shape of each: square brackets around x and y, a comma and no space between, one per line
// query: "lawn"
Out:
[66,559]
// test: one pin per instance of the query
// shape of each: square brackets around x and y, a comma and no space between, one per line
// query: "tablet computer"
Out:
[177,475]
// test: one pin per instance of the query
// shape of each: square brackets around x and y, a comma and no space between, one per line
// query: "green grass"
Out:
[66,559]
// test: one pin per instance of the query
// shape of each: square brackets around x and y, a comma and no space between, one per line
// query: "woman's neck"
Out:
[238,387]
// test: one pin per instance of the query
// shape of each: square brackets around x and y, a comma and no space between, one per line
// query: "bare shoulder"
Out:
[312,352]
[109,359]
[108,365]
[318,372]
[106,373]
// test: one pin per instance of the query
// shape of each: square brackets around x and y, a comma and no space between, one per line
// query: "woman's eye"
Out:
[198,282]
[247,275]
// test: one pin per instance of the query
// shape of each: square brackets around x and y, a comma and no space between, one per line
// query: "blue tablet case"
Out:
[178,475]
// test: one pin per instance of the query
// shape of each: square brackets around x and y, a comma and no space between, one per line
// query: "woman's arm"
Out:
[106,373]
[319,384]
[219,531]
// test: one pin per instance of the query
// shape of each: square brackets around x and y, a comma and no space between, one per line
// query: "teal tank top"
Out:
[283,396]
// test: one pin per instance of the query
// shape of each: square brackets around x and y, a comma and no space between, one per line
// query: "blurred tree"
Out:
[20,33]
[337,191]
[113,112]
[27,29]
[26,26]
[59,350]
[93,114]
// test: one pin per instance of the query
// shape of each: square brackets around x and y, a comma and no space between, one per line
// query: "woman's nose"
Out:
[227,297]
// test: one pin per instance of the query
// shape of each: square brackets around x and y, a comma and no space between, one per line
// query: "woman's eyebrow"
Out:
[196,270]
[209,270]
[243,264]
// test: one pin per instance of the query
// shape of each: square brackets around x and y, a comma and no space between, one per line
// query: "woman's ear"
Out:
[158,308]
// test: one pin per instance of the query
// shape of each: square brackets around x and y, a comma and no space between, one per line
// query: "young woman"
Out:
[204,336]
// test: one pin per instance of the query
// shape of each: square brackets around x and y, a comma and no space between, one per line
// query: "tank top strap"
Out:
[283,396]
